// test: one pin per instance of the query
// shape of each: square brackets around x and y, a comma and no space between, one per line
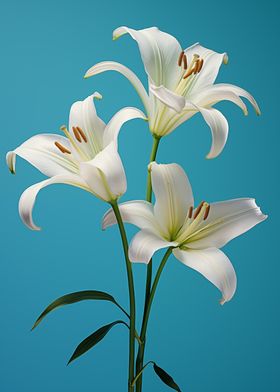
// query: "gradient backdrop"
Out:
[46,46]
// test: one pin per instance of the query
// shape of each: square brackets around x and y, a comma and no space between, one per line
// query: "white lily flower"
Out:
[195,234]
[181,83]
[86,157]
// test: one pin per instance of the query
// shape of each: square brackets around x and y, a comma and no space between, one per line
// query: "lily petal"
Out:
[126,72]
[168,97]
[159,51]
[121,117]
[211,95]
[42,153]
[240,92]
[144,244]
[105,174]
[138,212]
[211,65]
[227,220]
[219,128]
[173,195]
[214,265]
[83,115]
[28,198]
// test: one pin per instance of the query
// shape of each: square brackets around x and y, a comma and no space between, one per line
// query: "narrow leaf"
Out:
[166,378]
[76,297]
[93,339]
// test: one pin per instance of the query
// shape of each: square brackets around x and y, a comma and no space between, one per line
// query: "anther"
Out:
[206,213]
[197,211]
[63,149]
[81,132]
[196,66]
[181,58]
[188,73]
[185,62]
[190,212]
[200,65]
[77,135]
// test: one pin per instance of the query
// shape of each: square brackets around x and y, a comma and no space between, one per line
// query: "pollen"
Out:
[181,58]
[201,61]
[185,62]
[190,212]
[81,132]
[197,211]
[188,73]
[77,134]
[206,212]
[63,149]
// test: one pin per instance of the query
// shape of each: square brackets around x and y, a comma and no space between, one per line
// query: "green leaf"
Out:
[77,297]
[93,339]
[166,378]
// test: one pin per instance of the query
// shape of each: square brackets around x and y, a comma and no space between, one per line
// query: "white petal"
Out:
[219,128]
[144,244]
[214,265]
[105,174]
[83,115]
[126,72]
[170,99]
[173,195]
[211,95]
[121,117]
[159,51]
[240,92]
[28,198]
[137,212]
[227,220]
[212,62]
[41,152]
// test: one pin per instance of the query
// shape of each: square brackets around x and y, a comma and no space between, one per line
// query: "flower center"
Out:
[79,136]
[192,222]
[190,72]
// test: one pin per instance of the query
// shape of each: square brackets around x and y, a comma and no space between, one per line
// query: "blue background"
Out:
[46,46]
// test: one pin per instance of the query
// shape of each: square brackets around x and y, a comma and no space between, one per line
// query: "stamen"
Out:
[181,58]
[200,65]
[185,62]
[206,212]
[190,212]
[77,135]
[197,211]
[188,73]
[63,149]
[81,132]
[196,66]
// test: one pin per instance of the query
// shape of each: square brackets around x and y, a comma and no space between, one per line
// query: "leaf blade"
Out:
[72,298]
[165,377]
[92,340]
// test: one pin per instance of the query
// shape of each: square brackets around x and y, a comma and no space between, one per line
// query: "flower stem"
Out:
[140,357]
[116,210]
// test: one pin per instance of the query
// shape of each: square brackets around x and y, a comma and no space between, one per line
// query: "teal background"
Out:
[46,46]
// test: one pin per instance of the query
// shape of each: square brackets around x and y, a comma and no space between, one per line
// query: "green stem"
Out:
[140,356]
[141,350]
[131,296]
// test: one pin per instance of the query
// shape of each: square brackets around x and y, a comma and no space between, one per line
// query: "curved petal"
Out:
[83,115]
[105,174]
[226,220]
[173,195]
[211,65]
[211,95]
[144,244]
[219,128]
[28,198]
[126,72]
[214,265]
[41,152]
[121,117]
[169,98]
[240,92]
[159,51]
[137,212]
